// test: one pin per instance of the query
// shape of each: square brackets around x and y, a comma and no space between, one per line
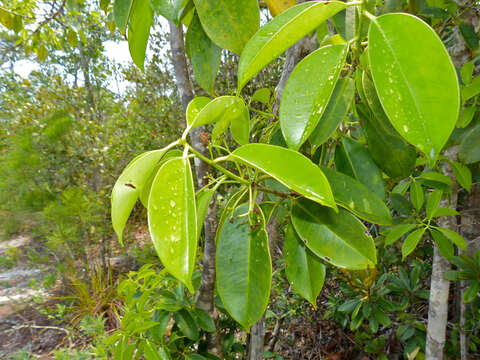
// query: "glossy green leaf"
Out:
[469,151]
[466,72]
[169,9]
[240,125]
[244,267]
[308,91]
[415,79]
[397,232]
[121,13]
[230,24]
[454,237]
[195,106]
[304,270]
[401,204]
[290,168]
[187,324]
[233,202]
[338,238]
[416,195]
[282,32]
[141,18]
[145,192]
[335,112]
[471,90]
[204,55]
[172,219]
[433,201]
[262,95]
[352,159]
[223,107]
[466,116]
[388,149]
[411,242]
[129,186]
[357,198]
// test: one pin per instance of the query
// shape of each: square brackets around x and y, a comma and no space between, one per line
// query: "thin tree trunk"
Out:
[439,286]
[205,297]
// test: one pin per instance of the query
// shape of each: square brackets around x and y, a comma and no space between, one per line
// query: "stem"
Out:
[218,167]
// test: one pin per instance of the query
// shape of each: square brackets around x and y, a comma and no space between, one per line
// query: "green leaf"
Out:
[462,174]
[240,125]
[469,151]
[308,91]
[204,320]
[203,201]
[223,107]
[145,192]
[357,198]
[151,352]
[141,18]
[471,90]
[279,34]
[416,195]
[195,106]
[129,186]
[453,236]
[471,292]
[301,175]
[352,159]
[445,212]
[397,232]
[411,242]
[433,201]
[305,272]
[204,54]
[335,112]
[121,13]
[469,35]
[415,80]
[401,204]
[262,95]
[389,151]
[338,238]
[444,245]
[381,317]
[230,24]
[244,267]
[466,72]
[172,219]
[232,203]
[466,116]
[187,324]
[434,176]
[169,9]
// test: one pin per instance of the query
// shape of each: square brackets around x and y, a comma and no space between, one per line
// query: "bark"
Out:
[439,286]
[205,297]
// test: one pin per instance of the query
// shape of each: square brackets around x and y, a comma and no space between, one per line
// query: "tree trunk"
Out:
[205,297]
[439,286]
